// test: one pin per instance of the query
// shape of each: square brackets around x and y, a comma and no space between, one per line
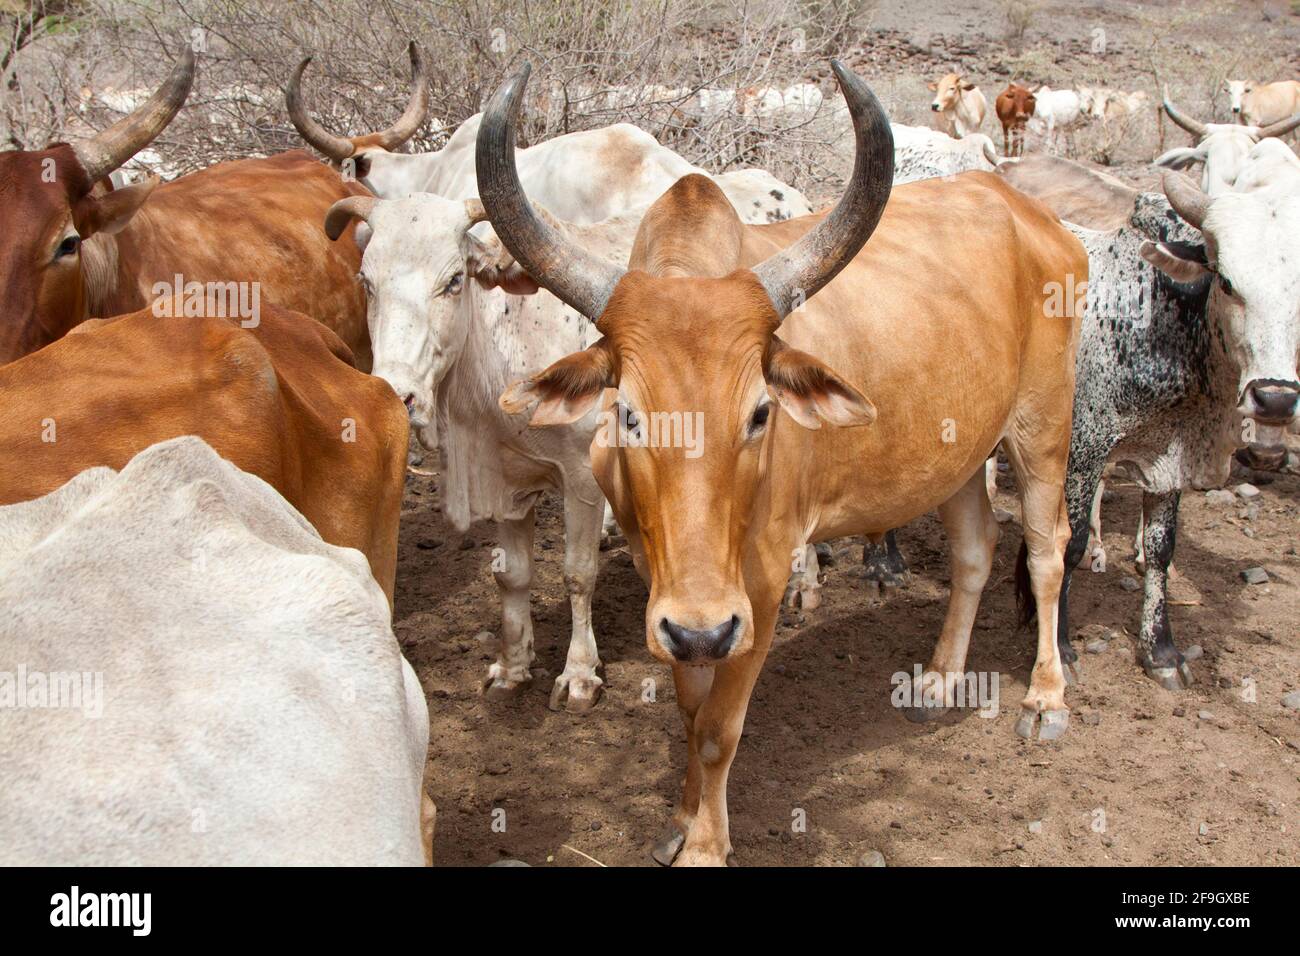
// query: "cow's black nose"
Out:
[691,645]
[1236,109]
[935,107]
[1275,402]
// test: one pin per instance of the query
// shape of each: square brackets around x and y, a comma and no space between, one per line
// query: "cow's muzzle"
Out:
[1272,401]
[935,107]
[690,645]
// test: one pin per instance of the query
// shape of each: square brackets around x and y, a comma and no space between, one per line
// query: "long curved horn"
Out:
[1186,122]
[583,280]
[339,148]
[1281,127]
[417,108]
[1186,197]
[344,211]
[796,273]
[112,147]
[335,147]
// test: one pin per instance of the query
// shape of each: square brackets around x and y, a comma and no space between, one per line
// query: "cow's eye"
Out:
[758,421]
[453,286]
[68,247]
[1225,284]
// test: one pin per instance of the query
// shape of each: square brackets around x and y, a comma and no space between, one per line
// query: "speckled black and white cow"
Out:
[1192,328]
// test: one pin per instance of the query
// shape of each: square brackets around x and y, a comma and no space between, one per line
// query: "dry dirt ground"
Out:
[1144,776]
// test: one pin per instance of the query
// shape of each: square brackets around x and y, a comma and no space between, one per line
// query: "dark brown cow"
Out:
[72,250]
[1014,106]
[281,401]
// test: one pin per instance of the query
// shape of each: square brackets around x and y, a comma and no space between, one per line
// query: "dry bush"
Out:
[593,64]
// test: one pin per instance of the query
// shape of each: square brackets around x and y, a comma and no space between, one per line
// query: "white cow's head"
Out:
[948,91]
[1252,254]
[1237,90]
[1222,147]
[419,264]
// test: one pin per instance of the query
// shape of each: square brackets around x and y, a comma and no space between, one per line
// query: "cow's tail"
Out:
[1026,603]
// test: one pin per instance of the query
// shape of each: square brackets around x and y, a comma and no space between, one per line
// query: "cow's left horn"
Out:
[1281,127]
[417,108]
[583,280]
[795,274]
[1186,197]
[336,148]
[114,146]
[344,211]
[1195,127]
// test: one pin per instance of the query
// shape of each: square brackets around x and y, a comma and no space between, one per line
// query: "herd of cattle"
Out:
[204,512]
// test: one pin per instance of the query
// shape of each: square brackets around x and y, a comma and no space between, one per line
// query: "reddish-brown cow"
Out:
[1014,106]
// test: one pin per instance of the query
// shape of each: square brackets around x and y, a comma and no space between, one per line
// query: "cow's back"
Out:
[240,697]
[277,400]
[250,221]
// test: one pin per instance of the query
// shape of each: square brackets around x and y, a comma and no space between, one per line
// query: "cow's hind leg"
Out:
[578,687]
[883,565]
[1162,661]
[972,541]
[512,567]
[1040,470]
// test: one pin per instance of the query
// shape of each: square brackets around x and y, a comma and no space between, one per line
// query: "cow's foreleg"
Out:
[578,687]
[692,684]
[1162,661]
[804,590]
[972,540]
[1094,555]
[512,566]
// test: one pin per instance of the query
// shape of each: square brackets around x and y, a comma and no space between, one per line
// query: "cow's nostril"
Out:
[688,644]
[935,107]
[1276,403]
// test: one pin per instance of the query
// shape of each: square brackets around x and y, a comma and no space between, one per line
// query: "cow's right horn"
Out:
[335,147]
[796,273]
[580,278]
[112,147]
[1186,122]
[1281,127]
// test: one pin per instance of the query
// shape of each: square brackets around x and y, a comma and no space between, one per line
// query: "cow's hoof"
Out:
[922,714]
[498,689]
[1173,677]
[809,599]
[668,845]
[575,695]
[1049,724]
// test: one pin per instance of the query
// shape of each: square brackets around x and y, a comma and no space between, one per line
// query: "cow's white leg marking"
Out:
[579,687]
[972,541]
[511,671]
[1094,558]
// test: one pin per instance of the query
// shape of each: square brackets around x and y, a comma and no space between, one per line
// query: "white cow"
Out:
[449,336]
[1057,113]
[587,176]
[958,106]
[921,153]
[1221,147]
[192,677]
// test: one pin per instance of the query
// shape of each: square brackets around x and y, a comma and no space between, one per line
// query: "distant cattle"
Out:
[1014,106]
[200,680]
[239,232]
[1057,113]
[691,326]
[589,176]
[1259,104]
[958,106]
[280,400]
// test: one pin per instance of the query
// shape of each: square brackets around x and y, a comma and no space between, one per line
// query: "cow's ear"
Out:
[494,268]
[810,392]
[968,85]
[110,212]
[564,392]
[933,87]
[1181,157]
[1181,261]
